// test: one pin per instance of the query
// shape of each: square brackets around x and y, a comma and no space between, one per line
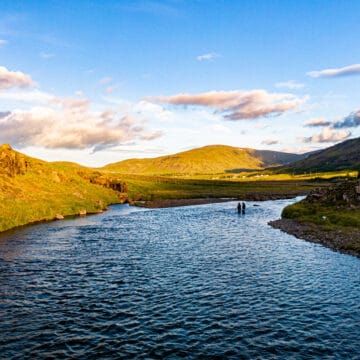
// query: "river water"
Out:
[197,282]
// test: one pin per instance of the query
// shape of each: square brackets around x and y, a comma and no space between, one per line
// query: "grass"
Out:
[141,187]
[329,216]
[206,160]
[46,190]
[336,222]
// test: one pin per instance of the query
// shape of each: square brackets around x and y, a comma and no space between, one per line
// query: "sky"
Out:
[96,82]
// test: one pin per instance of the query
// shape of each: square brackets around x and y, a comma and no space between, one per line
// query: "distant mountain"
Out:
[343,156]
[205,160]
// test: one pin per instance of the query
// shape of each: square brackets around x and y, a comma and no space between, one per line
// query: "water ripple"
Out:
[195,282]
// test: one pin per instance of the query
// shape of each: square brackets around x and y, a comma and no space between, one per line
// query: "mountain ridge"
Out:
[341,156]
[204,160]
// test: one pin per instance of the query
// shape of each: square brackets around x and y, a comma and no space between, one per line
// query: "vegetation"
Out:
[33,190]
[343,156]
[206,160]
[146,188]
[335,209]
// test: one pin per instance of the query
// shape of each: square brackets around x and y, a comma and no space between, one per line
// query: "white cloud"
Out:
[336,72]
[151,110]
[270,142]
[317,123]
[32,96]
[14,79]
[72,126]
[238,105]
[152,136]
[291,84]
[208,56]
[328,134]
[3,42]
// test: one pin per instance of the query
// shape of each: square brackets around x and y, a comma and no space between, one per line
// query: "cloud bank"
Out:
[328,135]
[331,132]
[344,71]
[270,142]
[350,121]
[73,126]
[317,123]
[238,105]
[14,79]
[63,122]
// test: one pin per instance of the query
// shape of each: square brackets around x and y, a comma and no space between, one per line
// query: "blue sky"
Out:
[100,81]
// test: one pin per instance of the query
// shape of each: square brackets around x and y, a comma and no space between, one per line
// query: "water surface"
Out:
[193,282]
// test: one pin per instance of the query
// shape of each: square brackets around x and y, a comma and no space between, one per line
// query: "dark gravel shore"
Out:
[154,204]
[344,240]
[250,196]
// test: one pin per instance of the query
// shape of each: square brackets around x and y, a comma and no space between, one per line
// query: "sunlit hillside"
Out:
[206,160]
[342,156]
[33,190]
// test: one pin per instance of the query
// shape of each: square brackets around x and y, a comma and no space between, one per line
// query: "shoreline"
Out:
[161,203]
[58,217]
[164,203]
[341,239]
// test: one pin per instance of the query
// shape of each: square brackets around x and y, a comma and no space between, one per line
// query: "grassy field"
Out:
[205,160]
[33,190]
[329,217]
[157,188]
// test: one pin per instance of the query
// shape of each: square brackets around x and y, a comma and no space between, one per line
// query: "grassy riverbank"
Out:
[33,190]
[330,216]
[152,188]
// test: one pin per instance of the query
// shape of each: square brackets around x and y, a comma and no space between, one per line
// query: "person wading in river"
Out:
[239,208]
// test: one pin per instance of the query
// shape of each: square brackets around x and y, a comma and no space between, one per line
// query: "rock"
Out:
[82,212]
[59,217]
[12,163]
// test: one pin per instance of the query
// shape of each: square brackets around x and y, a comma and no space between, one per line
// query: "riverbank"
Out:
[165,203]
[328,216]
[345,240]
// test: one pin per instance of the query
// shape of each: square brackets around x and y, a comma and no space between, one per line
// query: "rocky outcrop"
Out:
[105,180]
[343,198]
[344,194]
[12,163]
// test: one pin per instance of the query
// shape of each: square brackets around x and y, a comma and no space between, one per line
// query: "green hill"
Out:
[343,156]
[34,190]
[205,160]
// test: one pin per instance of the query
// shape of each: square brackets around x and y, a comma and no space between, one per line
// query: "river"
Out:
[197,282]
